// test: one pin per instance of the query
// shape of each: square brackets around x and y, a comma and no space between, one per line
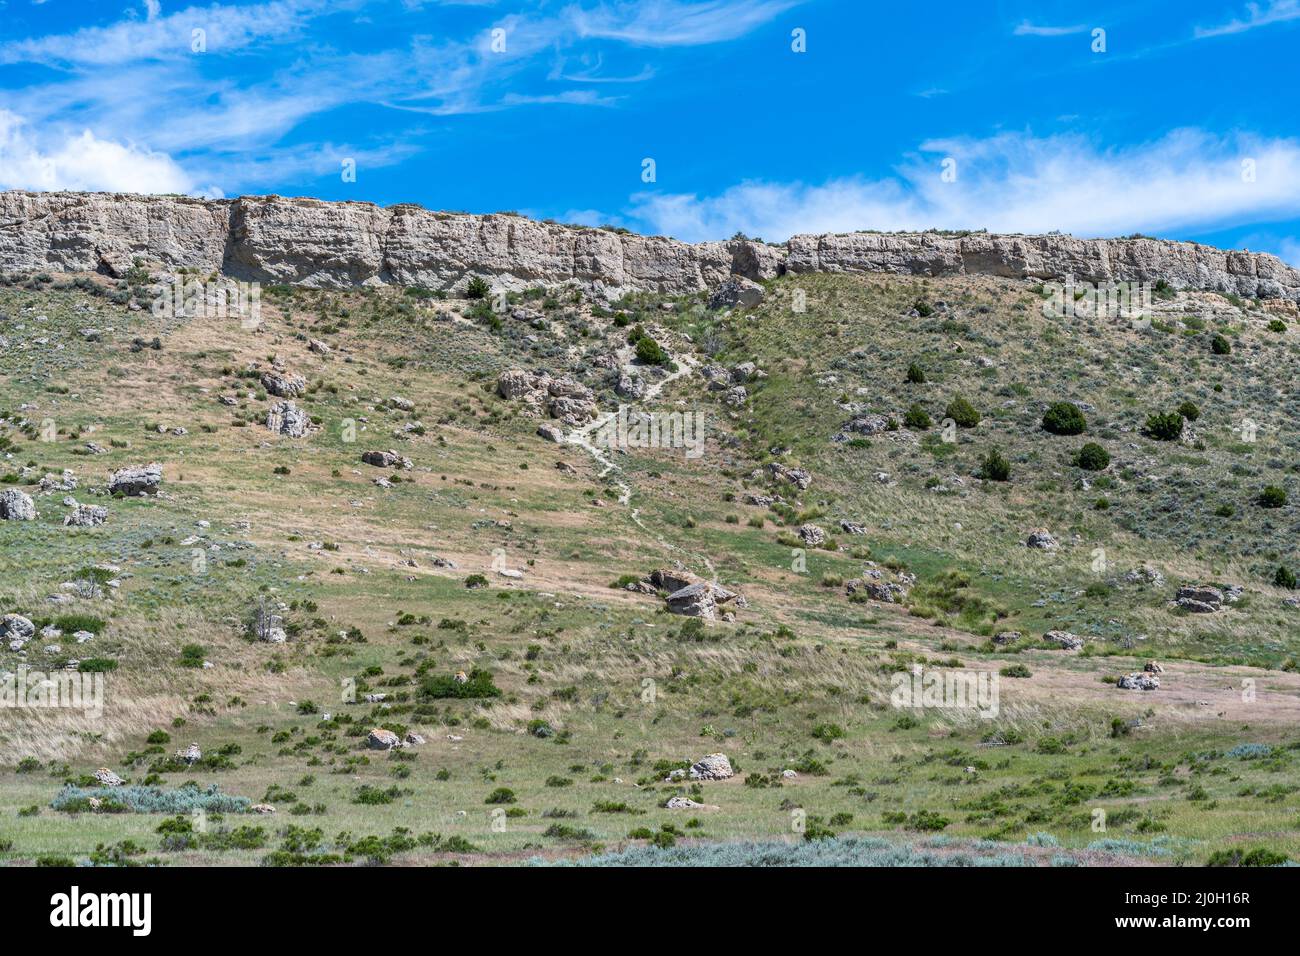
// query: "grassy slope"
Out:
[568,650]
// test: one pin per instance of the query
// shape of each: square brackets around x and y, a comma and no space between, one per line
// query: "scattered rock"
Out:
[16,505]
[286,418]
[190,755]
[1003,638]
[712,767]
[852,527]
[380,739]
[736,292]
[630,385]
[85,516]
[694,600]
[886,592]
[385,459]
[794,476]
[812,535]
[551,432]
[1042,540]
[686,803]
[1199,598]
[107,778]
[867,425]
[1144,575]
[1153,667]
[16,630]
[283,384]
[136,481]
[1064,640]
[1139,681]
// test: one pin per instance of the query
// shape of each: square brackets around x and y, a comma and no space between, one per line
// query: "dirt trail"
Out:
[582,438]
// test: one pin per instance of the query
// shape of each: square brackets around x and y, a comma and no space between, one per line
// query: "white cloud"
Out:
[83,161]
[1289,251]
[673,23]
[227,29]
[1027,29]
[1013,182]
[1278,11]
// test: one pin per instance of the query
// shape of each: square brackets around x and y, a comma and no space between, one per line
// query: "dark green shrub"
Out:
[962,412]
[1064,418]
[917,419]
[443,687]
[1284,578]
[916,374]
[995,467]
[1272,497]
[1164,426]
[650,352]
[478,288]
[1219,345]
[1092,457]
[1189,411]
[1239,857]
[192,655]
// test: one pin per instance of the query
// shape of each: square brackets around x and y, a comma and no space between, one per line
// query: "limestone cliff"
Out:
[346,244]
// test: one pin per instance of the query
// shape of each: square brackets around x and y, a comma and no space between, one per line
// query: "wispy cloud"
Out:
[1027,29]
[1257,15]
[663,23]
[269,68]
[225,29]
[1012,182]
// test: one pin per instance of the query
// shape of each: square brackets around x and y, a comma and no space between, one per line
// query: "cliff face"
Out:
[347,244]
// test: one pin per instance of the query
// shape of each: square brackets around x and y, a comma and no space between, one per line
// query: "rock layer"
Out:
[339,245]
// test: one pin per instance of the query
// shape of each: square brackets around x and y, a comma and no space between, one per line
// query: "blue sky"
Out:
[1179,121]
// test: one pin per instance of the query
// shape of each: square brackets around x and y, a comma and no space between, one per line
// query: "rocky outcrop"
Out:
[1200,598]
[275,239]
[1184,265]
[385,459]
[286,418]
[381,739]
[711,767]
[1064,640]
[136,481]
[283,384]
[1140,681]
[85,516]
[16,505]
[16,630]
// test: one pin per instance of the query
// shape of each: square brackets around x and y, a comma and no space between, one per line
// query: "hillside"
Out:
[280,602]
